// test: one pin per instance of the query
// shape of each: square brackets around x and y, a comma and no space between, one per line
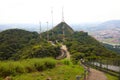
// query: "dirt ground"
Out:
[96,75]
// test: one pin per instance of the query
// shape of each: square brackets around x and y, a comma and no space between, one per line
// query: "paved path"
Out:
[96,75]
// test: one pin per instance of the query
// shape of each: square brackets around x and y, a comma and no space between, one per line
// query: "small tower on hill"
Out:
[47,32]
[52,20]
[63,14]
[40,30]
[63,27]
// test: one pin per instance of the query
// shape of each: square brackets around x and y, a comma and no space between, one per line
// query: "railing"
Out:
[108,66]
[85,74]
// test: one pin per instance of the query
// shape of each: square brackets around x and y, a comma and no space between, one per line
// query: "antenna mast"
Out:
[47,32]
[40,30]
[52,19]
[63,27]
[62,14]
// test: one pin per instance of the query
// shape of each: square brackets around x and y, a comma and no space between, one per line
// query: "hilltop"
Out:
[57,32]
[63,25]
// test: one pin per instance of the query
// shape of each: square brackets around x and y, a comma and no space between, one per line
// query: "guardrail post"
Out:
[119,70]
[78,77]
[85,74]
[107,64]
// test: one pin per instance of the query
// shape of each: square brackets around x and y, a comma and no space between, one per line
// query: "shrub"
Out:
[25,66]
[50,63]
[66,62]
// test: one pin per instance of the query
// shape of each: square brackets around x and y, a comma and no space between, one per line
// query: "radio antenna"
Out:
[62,14]
[52,19]
[47,32]
[40,30]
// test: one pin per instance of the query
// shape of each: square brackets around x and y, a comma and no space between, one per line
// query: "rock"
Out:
[49,78]
[42,74]
[8,78]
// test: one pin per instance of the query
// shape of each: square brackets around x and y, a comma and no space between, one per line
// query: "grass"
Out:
[40,69]
[61,72]
[110,77]
[8,68]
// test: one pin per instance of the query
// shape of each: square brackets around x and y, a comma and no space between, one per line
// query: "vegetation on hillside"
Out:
[40,68]
[57,32]
[115,48]
[38,51]
[61,72]
[81,45]
[12,68]
[19,44]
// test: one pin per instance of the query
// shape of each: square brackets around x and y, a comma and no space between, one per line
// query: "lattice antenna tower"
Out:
[63,30]
[40,30]
[52,20]
[63,27]
[62,14]
[47,32]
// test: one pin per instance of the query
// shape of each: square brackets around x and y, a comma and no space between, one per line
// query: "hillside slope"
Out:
[13,40]
[17,44]
[79,42]
[82,45]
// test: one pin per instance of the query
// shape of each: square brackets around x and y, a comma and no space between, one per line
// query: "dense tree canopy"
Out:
[17,44]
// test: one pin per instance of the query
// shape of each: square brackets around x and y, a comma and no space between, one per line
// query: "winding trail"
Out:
[96,75]
[64,53]
[93,75]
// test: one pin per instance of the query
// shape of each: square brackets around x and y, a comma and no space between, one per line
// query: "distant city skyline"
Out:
[75,11]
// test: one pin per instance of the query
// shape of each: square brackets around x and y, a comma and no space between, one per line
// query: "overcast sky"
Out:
[75,11]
